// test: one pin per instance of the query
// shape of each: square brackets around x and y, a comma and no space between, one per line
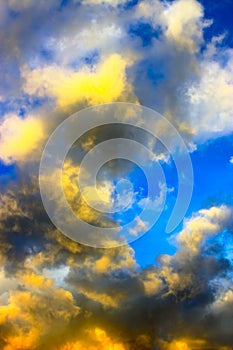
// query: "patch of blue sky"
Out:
[140,190]
[154,243]
[69,4]
[221,13]
[90,59]
[13,14]
[64,3]
[22,106]
[8,173]
[148,74]
[128,5]
[30,244]
[16,106]
[155,75]
[46,55]
[33,102]
[213,174]
[145,32]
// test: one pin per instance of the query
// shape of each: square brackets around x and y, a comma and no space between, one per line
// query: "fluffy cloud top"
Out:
[184,23]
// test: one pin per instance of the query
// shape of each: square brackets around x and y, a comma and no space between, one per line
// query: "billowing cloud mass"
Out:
[58,57]
[59,294]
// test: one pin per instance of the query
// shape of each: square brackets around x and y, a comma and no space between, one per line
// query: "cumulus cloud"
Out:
[183,74]
[106,84]
[29,307]
[184,21]
[19,138]
[210,99]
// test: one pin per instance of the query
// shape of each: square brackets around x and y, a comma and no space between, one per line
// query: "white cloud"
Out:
[156,204]
[210,100]
[206,223]
[184,23]
[139,228]
[78,43]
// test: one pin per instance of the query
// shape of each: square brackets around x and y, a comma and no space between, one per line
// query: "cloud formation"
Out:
[101,293]
[105,84]
[56,294]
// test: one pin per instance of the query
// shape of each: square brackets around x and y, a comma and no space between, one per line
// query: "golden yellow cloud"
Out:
[73,195]
[185,344]
[32,312]
[19,138]
[106,83]
[96,339]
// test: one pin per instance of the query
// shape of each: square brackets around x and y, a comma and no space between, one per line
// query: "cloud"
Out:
[7,284]
[210,100]
[104,2]
[97,338]
[54,292]
[106,84]
[140,227]
[32,310]
[19,138]
[104,288]
[25,4]
[184,22]
[181,21]
[182,68]
[156,204]
[78,64]
[205,224]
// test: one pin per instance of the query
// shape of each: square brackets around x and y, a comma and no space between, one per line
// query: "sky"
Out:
[164,69]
